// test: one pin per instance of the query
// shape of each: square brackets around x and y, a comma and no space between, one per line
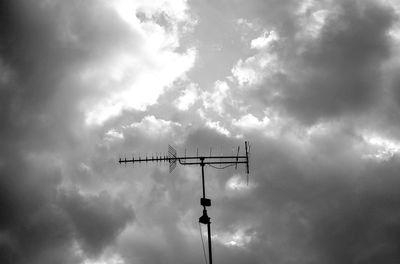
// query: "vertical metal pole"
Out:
[202,177]
[247,157]
[209,241]
[205,212]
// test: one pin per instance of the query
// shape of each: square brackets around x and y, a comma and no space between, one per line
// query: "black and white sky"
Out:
[313,84]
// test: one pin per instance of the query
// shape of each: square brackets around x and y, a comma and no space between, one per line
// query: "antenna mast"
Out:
[218,162]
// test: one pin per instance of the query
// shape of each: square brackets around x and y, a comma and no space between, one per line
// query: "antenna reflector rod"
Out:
[247,156]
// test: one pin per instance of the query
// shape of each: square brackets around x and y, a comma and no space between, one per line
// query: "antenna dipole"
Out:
[217,162]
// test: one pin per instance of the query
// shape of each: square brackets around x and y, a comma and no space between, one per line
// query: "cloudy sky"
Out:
[313,84]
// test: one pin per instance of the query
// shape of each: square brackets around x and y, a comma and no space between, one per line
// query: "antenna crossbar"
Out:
[172,159]
[180,158]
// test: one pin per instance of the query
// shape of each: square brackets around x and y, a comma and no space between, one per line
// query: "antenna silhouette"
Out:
[217,162]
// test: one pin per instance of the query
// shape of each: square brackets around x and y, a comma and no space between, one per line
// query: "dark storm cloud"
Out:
[340,72]
[97,219]
[40,225]
[41,126]
[30,225]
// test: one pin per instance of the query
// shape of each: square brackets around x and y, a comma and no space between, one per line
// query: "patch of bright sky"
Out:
[153,127]
[264,41]
[114,259]
[113,134]
[150,83]
[244,73]
[272,124]
[250,122]
[254,69]
[188,97]
[215,125]
[129,86]
[237,239]
[238,183]
[381,148]
[175,9]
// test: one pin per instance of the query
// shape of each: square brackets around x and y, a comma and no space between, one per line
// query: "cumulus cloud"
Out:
[188,98]
[251,122]
[253,70]
[141,75]
[153,128]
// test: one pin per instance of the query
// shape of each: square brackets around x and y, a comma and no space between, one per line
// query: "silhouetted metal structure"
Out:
[213,161]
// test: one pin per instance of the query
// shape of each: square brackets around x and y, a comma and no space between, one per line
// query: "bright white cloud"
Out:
[148,84]
[254,69]
[175,9]
[153,127]
[113,259]
[215,99]
[264,41]
[135,78]
[380,148]
[113,134]
[235,239]
[187,98]
[245,73]
[238,183]
[217,127]
[250,122]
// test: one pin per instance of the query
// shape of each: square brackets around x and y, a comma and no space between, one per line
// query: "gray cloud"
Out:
[340,72]
[314,208]
[30,224]
[97,220]
[40,124]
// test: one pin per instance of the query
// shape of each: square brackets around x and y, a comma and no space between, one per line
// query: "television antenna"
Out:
[217,162]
